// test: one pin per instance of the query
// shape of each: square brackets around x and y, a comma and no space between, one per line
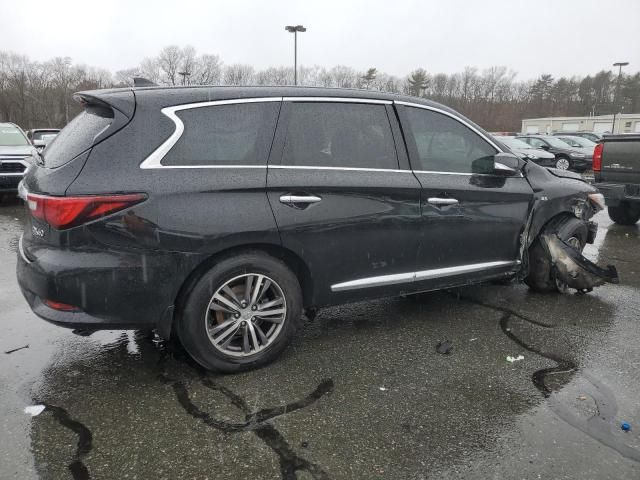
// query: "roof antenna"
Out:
[143,82]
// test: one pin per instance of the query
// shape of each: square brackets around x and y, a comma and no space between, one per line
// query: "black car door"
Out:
[343,196]
[472,218]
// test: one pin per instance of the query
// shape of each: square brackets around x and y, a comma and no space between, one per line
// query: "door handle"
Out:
[442,201]
[289,199]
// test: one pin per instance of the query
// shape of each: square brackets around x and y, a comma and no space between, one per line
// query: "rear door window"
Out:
[237,134]
[79,135]
[335,134]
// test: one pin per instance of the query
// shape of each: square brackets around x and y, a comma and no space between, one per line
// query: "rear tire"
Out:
[222,333]
[541,277]
[624,214]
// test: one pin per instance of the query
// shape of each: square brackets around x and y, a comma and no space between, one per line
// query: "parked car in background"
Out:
[594,137]
[16,154]
[221,214]
[527,152]
[40,137]
[578,142]
[616,168]
[566,156]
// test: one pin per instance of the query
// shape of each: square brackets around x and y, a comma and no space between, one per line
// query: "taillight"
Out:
[67,212]
[597,157]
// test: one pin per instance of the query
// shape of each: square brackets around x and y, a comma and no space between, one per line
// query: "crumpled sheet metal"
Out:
[574,269]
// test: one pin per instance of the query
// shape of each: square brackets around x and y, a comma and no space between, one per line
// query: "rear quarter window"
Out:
[78,136]
[237,134]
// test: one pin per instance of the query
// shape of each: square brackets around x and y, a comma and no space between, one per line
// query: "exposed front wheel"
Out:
[563,163]
[624,214]
[541,276]
[242,313]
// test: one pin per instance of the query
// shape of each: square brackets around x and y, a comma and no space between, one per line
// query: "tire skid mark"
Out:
[78,469]
[601,426]
[255,421]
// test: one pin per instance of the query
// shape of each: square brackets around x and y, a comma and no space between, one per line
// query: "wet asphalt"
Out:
[361,393]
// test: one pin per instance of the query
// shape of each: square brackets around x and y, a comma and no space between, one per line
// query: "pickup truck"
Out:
[616,168]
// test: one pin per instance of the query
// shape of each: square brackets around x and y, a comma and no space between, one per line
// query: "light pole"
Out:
[295,29]
[616,105]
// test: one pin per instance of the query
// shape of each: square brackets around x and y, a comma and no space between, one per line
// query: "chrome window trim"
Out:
[154,160]
[374,101]
[448,114]
[355,169]
[392,279]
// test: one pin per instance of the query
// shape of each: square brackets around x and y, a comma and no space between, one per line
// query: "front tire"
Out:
[242,313]
[541,277]
[563,163]
[624,214]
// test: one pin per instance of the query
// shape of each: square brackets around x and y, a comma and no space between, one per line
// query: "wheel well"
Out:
[291,260]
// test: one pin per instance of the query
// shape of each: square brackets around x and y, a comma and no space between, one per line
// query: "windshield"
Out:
[578,141]
[556,142]
[10,136]
[515,143]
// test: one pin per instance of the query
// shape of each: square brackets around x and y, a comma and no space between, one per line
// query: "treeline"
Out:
[38,94]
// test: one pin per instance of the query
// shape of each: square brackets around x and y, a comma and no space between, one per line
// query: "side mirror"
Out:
[544,146]
[507,164]
[39,144]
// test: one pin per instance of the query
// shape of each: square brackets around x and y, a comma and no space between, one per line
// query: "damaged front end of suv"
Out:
[558,228]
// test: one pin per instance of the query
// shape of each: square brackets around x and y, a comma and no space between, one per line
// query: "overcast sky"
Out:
[562,37]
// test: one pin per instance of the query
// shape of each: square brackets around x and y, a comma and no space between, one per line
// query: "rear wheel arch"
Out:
[297,266]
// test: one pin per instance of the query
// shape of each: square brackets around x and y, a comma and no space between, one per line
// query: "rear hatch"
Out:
[46,183]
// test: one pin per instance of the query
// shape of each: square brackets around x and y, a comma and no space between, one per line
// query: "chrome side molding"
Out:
[418,276]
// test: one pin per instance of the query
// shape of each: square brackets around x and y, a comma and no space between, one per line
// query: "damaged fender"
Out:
[572,268]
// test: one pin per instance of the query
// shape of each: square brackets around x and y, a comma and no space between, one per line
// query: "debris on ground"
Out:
[625,426]
[16,349]
[444,347]
[511,359]
[582,397]
[473,339]
[34,410]
[383,389]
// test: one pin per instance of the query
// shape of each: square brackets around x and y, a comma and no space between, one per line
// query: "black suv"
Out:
[222,213]
[567,158]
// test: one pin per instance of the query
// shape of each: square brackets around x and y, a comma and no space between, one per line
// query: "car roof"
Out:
[177,95]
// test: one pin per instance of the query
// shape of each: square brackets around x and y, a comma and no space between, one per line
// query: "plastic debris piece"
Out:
[511,359]
[473,339]
[9,352]
[582,397]
[34,410]
[625,426]
[383,389]
[444,347]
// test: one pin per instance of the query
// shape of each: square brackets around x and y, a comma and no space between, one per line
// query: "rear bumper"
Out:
[614,193]
[112,290]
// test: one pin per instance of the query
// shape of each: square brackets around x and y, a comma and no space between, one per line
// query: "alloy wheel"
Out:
[245,315]
[562,164]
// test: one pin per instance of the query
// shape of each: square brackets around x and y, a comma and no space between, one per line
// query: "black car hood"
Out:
[565,174]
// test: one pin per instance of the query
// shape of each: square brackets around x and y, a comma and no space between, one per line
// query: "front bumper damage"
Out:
[573,269]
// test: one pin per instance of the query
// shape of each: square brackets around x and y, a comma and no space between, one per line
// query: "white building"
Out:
[625,123]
